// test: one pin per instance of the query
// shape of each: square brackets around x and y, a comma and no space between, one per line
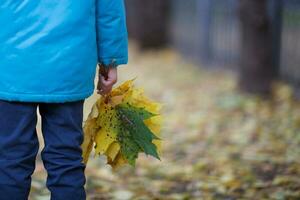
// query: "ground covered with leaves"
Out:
[218,142]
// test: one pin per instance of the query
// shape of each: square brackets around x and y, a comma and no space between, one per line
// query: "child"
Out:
[49,52]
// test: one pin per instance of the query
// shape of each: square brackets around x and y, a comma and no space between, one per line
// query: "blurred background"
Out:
[227,73]
[213,33]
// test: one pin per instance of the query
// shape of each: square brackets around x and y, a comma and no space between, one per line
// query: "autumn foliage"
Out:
[121,125]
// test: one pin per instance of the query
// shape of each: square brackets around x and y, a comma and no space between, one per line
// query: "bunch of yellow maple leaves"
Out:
[122,124]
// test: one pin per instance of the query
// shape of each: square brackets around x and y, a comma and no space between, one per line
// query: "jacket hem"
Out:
[45,98]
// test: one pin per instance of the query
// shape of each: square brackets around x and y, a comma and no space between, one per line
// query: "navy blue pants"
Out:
[61,155]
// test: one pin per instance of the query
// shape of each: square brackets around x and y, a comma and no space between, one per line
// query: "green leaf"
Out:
[132,119]
[129,148]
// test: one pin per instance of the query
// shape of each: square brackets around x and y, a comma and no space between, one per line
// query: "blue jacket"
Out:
[50,49]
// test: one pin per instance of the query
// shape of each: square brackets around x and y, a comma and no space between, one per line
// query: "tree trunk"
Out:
[256,69]
[148,22]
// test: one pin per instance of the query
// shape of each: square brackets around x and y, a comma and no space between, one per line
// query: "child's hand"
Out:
[107,78]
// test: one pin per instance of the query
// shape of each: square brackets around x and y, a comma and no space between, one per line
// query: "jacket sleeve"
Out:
[112,36]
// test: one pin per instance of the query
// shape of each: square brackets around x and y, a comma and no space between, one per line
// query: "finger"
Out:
[107,83]
[112,74]
[105,90]
[101,92]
